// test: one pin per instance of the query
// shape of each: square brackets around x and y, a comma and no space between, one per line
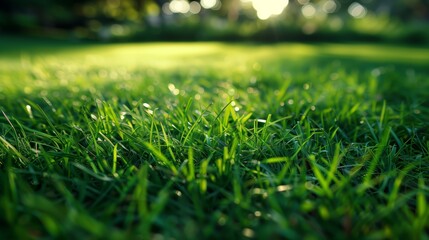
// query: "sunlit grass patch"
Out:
[214,141]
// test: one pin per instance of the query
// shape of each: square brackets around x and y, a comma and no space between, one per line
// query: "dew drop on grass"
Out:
[222,220]
[178,193]
[249,233]
[173,89]
[77,127]
[258,191]
[146,105]
[123,115]
[306,86]
[29,111]
[258,214]
[290,101]
[283,188]
[150,112]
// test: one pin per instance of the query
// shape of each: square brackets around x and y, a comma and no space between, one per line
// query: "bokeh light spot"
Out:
[308,11]
[179,6]
[207,4]
[303,2]
[194,7]
[329,6]
[357,10]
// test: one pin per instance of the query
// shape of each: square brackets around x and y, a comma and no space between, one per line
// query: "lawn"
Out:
[213,141]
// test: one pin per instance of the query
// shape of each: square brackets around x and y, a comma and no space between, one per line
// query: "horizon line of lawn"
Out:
[13,47]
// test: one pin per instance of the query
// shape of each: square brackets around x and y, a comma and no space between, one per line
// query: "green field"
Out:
[213,141]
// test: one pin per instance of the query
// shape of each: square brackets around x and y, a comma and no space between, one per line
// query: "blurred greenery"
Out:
[227,20]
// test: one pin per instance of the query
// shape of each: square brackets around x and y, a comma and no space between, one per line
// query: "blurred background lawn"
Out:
[386,21]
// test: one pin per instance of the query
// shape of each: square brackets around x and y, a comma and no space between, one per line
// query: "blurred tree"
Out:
[99,15]
[413,9]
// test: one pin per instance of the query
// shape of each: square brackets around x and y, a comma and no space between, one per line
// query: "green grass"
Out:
[212,140]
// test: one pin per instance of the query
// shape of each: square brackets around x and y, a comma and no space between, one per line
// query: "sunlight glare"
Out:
[207,4]
[267,8]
